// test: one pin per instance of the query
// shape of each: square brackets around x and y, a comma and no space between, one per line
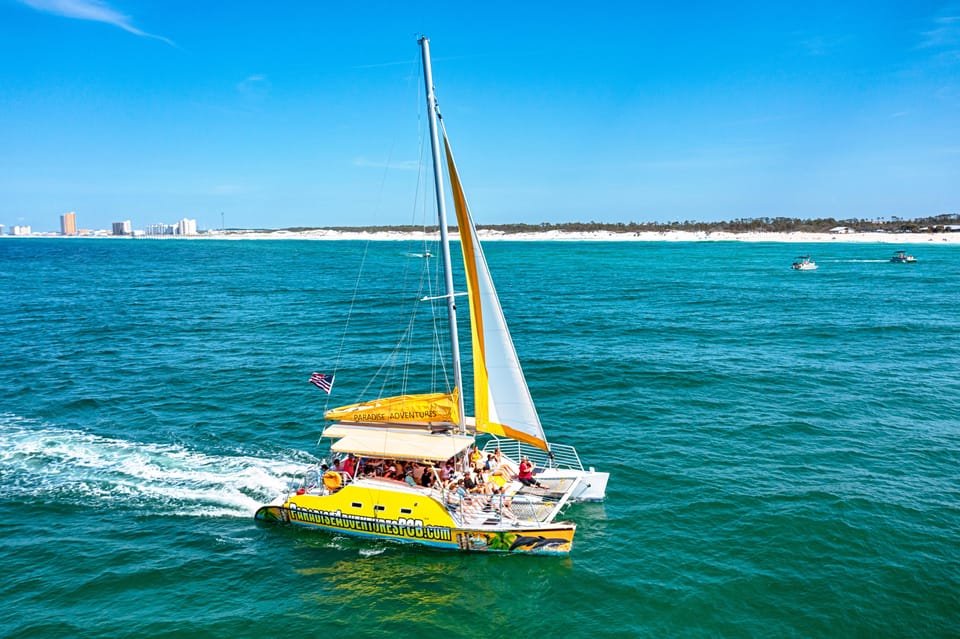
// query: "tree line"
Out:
[933,224]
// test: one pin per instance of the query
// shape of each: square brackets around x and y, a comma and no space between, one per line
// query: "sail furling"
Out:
[430,408]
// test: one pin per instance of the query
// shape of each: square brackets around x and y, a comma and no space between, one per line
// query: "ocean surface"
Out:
[784,447]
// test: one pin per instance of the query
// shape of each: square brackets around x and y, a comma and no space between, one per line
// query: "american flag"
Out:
[322,381]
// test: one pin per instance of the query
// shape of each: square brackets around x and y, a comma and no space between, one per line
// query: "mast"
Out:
[432,115]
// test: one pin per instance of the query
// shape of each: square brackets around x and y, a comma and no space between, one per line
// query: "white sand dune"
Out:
[600,236]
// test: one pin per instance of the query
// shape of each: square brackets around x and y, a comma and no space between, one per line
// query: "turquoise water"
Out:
[784,446]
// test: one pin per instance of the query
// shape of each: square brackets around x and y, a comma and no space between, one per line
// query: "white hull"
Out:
[592,485]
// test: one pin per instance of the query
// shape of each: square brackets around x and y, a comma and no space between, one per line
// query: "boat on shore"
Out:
[902,257]
[410,468]
[804,263]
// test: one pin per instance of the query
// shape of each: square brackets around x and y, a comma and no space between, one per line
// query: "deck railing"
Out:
[560,455]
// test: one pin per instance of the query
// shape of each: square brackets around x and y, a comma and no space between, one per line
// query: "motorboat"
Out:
[902,257]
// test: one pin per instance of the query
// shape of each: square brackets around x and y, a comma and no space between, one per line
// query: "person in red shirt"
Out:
[349,466]
[525,475]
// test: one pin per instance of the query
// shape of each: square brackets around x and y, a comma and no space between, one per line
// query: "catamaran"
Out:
[404,463]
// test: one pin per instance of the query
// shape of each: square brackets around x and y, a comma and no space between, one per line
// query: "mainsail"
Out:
[502,401]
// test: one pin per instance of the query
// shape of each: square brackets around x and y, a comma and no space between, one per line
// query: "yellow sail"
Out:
[430,408]
[502,401]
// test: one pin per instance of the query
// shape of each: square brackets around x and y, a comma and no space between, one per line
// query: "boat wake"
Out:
[45,464]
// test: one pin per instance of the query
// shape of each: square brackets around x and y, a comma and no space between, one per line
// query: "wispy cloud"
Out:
[404,165]
[945,32]
[815,46]
[94,10]
[818,45]
[255,86]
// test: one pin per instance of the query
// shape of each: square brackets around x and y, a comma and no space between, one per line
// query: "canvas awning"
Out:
[390,443]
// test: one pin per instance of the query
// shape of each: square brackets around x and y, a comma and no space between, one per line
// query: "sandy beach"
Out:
[597,236]
[490,235]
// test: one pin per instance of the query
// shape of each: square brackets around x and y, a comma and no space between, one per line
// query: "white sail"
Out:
[502,401]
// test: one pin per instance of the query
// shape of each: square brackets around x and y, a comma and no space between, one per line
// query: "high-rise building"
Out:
[187,227]
[68,223]
[121,228]
[160,229]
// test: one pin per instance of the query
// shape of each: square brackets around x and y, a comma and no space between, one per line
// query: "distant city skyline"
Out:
[69,227]
[307,114]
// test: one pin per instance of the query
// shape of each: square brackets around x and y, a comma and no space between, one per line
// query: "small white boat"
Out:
[901,257]
[804,263]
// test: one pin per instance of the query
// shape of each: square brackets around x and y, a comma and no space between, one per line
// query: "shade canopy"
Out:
[396,443]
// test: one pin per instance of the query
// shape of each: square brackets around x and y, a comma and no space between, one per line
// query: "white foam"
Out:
[41,462]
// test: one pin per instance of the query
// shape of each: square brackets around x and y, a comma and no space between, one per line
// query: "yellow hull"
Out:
[382,511]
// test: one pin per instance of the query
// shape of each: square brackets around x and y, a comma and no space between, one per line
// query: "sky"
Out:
[303,114]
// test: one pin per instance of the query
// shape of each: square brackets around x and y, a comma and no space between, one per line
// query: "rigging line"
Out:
[366,250]
[346,323]
[439,356]
[407,335]
[407,340]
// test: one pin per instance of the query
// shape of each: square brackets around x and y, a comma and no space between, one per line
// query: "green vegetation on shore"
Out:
[935,224]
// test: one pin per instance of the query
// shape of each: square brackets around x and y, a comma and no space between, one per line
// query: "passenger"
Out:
[452,484]
[417,472]
[475,457]
[470,505]
[349,465]
[470,482]
[485,483]
[490,464]
[502,475]
[525,476]
[427,479]
[501,503]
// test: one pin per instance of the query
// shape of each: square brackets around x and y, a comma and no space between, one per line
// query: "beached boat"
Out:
[902,257]
[402,468]
[804,263]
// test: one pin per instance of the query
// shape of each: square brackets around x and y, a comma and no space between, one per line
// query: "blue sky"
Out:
[280,114]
